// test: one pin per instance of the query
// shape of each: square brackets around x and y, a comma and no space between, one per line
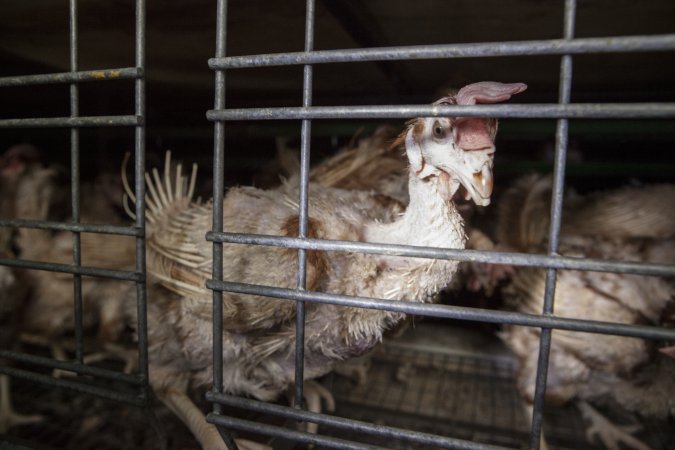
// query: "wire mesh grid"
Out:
[417,383]
[467,372]
[563,111]
[453,395]
[31,366]
[422,381]
[73,418]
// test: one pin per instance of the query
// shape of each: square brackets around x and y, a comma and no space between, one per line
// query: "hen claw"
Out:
[609,434]
[8,417]
[316,396]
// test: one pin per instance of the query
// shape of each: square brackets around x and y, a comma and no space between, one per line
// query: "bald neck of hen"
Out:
[431,219]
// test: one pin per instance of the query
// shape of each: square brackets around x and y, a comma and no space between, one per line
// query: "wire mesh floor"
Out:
[436,392]
[459,382]
[451,381]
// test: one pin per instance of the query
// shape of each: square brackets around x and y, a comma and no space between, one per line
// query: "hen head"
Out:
[458,151]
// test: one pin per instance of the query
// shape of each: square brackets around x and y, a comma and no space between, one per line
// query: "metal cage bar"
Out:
[518,259]
[303,202]
[664,42]
[217,225]
[529,111]
[562,134]
[131,398]
[70,366]
[563,110]
[66,226]
[75,184]
[450,312]
[67,122]
[124,275]
[139,187]
[138,383]
[343,424]
[282,432]
[73,76]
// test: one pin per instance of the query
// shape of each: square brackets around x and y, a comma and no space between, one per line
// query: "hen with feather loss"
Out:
[259,332]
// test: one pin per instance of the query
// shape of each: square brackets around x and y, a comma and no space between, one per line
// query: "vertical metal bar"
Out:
[217,225]
[75,183]
[218,192]
[139,186]
[303,212]
[565,88]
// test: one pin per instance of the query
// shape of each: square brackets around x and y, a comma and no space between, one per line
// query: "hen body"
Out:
[47,314]
[14,290]
[630,224]
[367,164]
[259,332]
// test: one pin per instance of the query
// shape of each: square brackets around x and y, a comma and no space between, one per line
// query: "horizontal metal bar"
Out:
[93,121]
[71,366]
[123,275]
[450,311]
[78,386]
[519,111]
[70,77]
[284,433]
[476,256]
[514,129]
[665,42]
[75,227]
[342,423]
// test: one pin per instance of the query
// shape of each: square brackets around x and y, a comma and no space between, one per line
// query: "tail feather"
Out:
[162,192]
[174,258]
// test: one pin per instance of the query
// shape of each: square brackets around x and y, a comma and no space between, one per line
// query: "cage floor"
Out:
[80,421]
[459,382]
[450,381]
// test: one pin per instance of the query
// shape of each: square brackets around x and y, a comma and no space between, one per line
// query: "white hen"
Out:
[259,332]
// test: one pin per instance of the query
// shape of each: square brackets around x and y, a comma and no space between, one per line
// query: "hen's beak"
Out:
[482,184]
[477,149]
[478,183]
[474,173]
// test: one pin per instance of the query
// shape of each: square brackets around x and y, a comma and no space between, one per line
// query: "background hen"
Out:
[259,332]
[13,294]
[47,315]
[633,223]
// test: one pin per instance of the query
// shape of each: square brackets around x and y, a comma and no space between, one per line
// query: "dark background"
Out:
[181,39]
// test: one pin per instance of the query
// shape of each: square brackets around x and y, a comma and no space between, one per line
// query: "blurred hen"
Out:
[47,317]
[13,294]
[629,224]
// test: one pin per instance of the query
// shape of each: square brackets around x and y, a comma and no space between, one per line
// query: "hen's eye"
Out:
[438,130]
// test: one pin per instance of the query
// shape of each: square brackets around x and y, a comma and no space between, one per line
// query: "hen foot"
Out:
[207,434]
[609,434]
[8,417]
[315,396]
